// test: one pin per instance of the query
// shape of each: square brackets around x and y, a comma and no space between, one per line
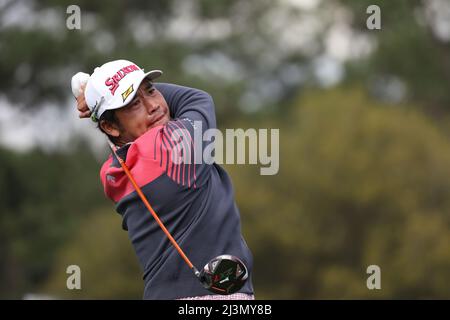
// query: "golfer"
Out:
[150,123]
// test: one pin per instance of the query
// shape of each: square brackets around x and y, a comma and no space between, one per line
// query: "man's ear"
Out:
[110,128]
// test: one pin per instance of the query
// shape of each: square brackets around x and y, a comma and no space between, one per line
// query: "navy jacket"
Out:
[195,201]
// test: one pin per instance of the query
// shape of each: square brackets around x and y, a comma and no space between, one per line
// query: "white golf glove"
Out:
[78,80]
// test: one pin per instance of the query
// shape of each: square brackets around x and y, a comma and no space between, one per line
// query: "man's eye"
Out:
[134,103]
[151,90]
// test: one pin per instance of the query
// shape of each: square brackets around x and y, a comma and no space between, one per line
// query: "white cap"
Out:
[114,85]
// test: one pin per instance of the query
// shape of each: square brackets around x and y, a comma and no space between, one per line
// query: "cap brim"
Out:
[152,75]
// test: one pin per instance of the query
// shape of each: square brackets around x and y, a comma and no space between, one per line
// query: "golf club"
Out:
[225,274]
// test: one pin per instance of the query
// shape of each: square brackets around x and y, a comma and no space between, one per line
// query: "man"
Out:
[149,122]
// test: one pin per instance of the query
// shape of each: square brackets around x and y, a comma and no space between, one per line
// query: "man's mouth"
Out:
[157,118]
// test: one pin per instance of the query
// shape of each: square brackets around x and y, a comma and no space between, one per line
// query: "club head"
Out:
[224,274]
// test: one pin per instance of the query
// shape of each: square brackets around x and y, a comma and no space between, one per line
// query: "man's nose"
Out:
[150,106]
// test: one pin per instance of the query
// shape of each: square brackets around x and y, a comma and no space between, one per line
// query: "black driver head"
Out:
[224,274]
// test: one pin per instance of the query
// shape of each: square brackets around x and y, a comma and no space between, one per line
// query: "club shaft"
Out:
[149,207]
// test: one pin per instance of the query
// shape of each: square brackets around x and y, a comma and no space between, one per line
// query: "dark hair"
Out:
[110,116]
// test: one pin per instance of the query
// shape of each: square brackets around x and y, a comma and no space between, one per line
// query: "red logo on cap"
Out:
[113,82]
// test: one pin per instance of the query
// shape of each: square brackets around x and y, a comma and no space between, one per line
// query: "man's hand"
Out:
[78,84]
[82,106]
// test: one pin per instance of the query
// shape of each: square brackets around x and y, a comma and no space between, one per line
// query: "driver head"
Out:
[224,274]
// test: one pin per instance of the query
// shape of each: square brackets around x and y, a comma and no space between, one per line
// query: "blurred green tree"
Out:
[412,47]
[109,267]
[360,183]
[43,198]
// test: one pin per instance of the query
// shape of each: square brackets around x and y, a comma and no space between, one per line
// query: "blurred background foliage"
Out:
[364,140]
